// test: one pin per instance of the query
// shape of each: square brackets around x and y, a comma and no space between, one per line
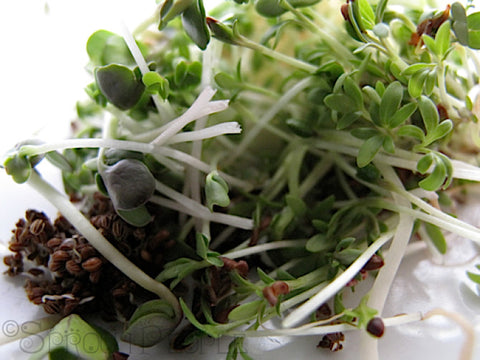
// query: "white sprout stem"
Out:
[269,115]
[281,244]
[434,211]
[142,65]
[403,232]
[87,143]
[231,220]
[380,289]
[201,107]
[100,243]
[231,127]
[466,326]
[460,230]
[303,311]
[132,146]
[200,165]
[325,329]
[202,211]
[346,144]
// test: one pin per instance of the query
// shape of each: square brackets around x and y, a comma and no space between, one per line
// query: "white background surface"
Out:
[41,63]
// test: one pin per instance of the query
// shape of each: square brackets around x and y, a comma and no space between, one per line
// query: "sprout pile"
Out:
[244,168]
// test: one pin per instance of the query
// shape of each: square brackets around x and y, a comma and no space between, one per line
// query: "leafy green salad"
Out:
[238,171]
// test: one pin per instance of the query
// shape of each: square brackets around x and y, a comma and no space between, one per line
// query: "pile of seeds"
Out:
[66,274]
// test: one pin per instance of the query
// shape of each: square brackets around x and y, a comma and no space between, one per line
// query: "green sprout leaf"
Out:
[171,9]
[273,8]
[129,183]
[18,167]
[58,160]
[442,39]
[74,338]
[425,163]
[437,237]
[155,83]
[105,47]
[202,243]
[429,113]
[119,85]
[473,276]
[246,311]
[390,102]
[416,83]
[150,323]
[402,115]
[222,32]
[195,24]
[362,313]
[369,149]
[139,216]
[216,190]
[436,179]
[459,24]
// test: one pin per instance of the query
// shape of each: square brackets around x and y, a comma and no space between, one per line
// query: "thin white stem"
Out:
[201,107]
[269,115]
[142,65]
[467,327]
[299,314]
[202,211]
[230,220]
[86,143]
[345,144]
[231,127]
[460,230]
[381,286]
[257,249]
[325,329]
[200,165]
[432,210]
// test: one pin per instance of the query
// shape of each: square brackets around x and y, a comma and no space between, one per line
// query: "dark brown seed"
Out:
[60,255]
[375,263]
[68,244]
[92,264]
[53,243]
[139,234]
[376,327]
[16,247]
[37,226]
[269,295]
[101,221]
[95,276]
[36,292]
[87,251]
[73,267]
[70,306]
[55,265]
[119,356]
[280,288]
[323,312]
[146,255]
[36,271]
[52,307]
[332,341]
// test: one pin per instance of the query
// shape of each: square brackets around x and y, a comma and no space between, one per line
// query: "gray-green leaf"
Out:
[195,24]
[216,190]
